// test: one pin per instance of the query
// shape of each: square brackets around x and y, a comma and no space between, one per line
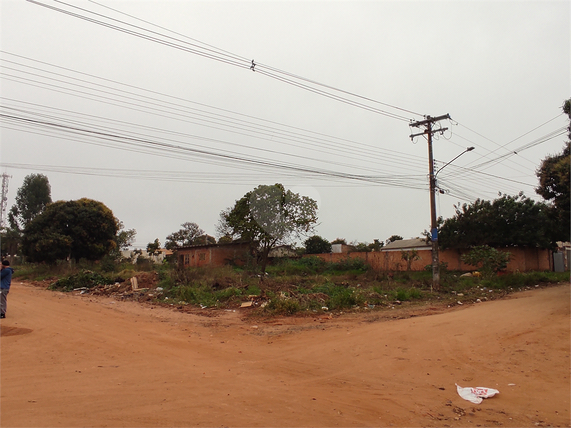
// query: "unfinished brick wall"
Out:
[212,255]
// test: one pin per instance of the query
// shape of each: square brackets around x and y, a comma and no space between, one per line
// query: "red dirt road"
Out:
[70,360]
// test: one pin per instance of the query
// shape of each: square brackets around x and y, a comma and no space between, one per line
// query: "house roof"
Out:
[408,244]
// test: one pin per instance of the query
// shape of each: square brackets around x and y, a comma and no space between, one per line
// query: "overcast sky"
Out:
[152,107]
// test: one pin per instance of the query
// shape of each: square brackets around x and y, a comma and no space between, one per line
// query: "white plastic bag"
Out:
[475,395]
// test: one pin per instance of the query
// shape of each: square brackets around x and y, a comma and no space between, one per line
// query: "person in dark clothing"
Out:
[6,281]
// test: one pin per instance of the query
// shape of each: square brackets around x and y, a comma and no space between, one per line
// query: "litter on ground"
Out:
[475,395]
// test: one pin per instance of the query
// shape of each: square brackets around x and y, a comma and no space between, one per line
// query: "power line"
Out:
[179,110]
[200,153]
[225,57]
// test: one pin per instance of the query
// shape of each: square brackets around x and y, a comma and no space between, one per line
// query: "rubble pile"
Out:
[141,287]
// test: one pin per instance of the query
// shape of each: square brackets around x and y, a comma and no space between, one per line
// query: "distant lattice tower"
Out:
[5,178]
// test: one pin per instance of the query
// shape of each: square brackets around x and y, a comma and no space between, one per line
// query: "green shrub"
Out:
[199,295]
[302,266]
[527,279]
[85,278]
[349,264]
[404,294]
[487,259]
[108,264]
[253,290]
[343,298]
[283,306]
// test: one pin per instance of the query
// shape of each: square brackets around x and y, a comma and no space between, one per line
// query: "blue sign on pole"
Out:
[434,234]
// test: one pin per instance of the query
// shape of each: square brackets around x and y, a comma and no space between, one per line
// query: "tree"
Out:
[409,257]
[153,247]
[225,239]
[376,245]
[123,240]
[317,245]
[504,222]
[70,229]
[31,199]
[184,237]
[361,247]
[489,260]
[554,176]
[341,241]
[394,238]
[204,240]
[268,216]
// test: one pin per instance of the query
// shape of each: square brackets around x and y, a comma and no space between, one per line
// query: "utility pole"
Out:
[429,131]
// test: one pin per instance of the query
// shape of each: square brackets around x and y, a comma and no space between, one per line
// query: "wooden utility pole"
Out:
[428,131]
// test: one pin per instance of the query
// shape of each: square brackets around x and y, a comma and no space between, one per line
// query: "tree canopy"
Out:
[76,229]
[153,247]
[184,237]
[123,240]
[341,241]
[268,216]
[504,222]
[554,176]
[31,199]
[393,238]
[317,245]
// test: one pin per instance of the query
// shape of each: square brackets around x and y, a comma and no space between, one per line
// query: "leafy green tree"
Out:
[394,238]
[225,239]
[153,247]
[361,247]
[184,237]
[489,260]
[31,199]
[82,229]
[10,240]
[268,216]
[409,257]
[205,240]
[554,176]
[504,222]
[123,240]
[317,245]
[376,245]
[341,241]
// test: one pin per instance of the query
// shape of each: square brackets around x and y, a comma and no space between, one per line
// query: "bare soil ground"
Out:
[96,361]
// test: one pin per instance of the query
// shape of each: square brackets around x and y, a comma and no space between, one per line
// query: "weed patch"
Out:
[83,279]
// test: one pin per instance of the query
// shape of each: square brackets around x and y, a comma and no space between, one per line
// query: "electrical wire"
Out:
[225,57]
[182,111]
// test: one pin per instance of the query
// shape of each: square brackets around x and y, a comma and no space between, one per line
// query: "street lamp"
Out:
[434,223]
[468,149]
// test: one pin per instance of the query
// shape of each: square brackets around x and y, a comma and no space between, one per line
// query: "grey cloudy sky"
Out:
[151,107]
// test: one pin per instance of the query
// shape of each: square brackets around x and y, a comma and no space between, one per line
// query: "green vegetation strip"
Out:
[307,285]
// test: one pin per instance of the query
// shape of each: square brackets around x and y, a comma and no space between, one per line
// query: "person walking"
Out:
[5,282]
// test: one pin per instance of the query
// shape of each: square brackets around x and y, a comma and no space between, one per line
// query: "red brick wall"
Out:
[521,259]
[212,255]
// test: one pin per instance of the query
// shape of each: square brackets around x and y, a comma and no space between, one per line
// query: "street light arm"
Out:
[469,149]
